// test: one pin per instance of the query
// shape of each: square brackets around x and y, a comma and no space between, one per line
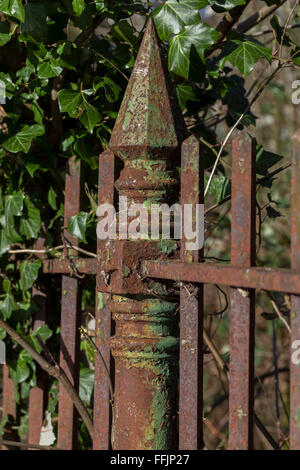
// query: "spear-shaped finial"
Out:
[149,122]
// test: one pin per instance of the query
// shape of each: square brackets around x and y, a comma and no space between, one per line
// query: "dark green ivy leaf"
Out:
[273,213]
[222,5]
[198,35]
[35,24]
[86,385]
[77,225]
[70,102]
[29,273]
[7,306]
[23,139]
[13,8]
[78,6]
[52,196]
[4,245]
[48,70]
[90,116]
[244,55]
[30,226]
[14,205]
[173,15]
[265,160]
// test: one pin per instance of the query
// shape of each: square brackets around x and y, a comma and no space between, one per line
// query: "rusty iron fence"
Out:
[137,327]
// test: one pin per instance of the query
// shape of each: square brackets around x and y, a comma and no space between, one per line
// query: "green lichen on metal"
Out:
[297,417]
[159,433]
[147,114]
[167,246]
[100,303]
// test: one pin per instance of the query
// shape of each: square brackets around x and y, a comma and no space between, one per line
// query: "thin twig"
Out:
[56,248]
[278,312]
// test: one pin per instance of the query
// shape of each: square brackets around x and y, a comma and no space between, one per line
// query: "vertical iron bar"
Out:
[69,346]
[9,408]
[8,404]
[191,314]
[295,299]
[102,406]
[38,395]
[242,302]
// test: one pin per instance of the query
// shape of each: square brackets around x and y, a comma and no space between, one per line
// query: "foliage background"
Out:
[65,65]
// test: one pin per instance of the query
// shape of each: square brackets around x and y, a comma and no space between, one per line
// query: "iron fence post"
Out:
[147,136]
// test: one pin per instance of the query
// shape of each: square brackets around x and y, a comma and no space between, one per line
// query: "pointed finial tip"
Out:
[150,25]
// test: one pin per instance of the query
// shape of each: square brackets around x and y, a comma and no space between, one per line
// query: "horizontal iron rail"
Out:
[281,280]
[69,266]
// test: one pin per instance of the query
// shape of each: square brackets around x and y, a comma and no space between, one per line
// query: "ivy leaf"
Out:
[4,38]
[13,8]
[90,117]
[52,196]
[78,6]
[30,226]
[112,90]
[77,225]
[70,102]
[48,70]
[4,245]
[14,205]
[29,273]
[35,24]
[222,5]
[23,139]
[22,371]
[220,187]
[244,55]
[198,35]
[38,112]
[265,160]
[86,385]
[173,15]
[125,32]
[185,93]
[43,332]
[273,213]
[281,36]
[7,306]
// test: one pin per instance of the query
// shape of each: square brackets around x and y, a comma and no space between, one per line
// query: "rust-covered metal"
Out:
[38,395]
[9,409]
[295,300]
[65,266]
[191,312]
[242,301]
[70,320]
[147,136]
[132,286]
[103,327]
[280,280]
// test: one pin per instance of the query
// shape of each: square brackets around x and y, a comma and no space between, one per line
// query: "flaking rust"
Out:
[147,136]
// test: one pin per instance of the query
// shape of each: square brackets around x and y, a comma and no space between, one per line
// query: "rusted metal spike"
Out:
[149,121]
[242,302]
[191,313]
[147,136]
[70,321]
[295,299]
